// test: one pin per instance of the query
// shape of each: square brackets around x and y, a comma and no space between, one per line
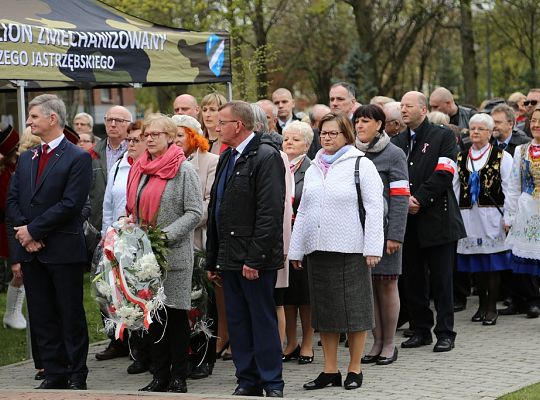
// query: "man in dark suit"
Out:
[434,224]
[505,135]
[47,193]
[283,100]
[245,245]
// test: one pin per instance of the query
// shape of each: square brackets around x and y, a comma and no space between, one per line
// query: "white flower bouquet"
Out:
[127,282]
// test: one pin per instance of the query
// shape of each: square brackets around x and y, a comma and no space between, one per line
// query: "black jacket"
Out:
[430,177]
[251,212]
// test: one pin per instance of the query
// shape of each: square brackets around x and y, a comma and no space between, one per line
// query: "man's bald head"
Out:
[413,109]
[271,111]
[117,121]
[284,101]
[186,104]
[442,100]
[317,112]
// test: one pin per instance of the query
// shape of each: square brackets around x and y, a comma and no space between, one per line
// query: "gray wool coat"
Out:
[180,212]
[392,166]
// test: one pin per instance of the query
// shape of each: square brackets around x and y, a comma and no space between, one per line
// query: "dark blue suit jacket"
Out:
[51,207]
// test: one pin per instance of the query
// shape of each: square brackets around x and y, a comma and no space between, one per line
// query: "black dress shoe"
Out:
[512,309]
[137,367]
[274,393]
[177,385]
[367,359]
[408,333]
[416,341]
[253,391]
[40,375]
[157,385]
[111,352]
[77,385]
[490,321]
[201,371]
[293,355]
[533,312]
[443,344]
[388,360]
[353,380]
[226,356]
[323,380]
[478,316]
[50,384]
[459,307]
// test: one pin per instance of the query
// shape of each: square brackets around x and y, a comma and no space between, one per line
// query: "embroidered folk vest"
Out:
[490,180]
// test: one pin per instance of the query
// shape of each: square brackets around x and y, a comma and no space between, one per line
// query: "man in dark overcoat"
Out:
[434,224]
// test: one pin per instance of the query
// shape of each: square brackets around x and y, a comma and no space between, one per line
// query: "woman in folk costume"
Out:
[484,173]
[522,206]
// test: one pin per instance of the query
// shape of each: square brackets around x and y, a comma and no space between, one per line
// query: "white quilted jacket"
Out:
[328,219]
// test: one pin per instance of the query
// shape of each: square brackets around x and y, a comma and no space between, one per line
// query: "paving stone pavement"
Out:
[488,361]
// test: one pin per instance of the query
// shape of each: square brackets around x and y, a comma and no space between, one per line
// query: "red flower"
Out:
[145,294]
[112,309]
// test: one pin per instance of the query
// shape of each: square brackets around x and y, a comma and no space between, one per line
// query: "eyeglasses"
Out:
[84,141]
[388,122]
[479,129]
[134,140]
[81,123]
[154,135]
[115,120]
[221,123]
[330,134]
[527,103]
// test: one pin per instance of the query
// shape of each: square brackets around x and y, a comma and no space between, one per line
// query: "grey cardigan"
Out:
[179,213]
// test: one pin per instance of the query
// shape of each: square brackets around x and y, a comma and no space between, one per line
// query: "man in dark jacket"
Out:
[245,246]
[505,135]
[434,224]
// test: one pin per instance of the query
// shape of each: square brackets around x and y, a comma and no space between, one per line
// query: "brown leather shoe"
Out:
[111,352]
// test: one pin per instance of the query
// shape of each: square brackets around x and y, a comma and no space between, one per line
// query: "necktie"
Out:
[43,159]
[223,179]
[412,142]
[503,145]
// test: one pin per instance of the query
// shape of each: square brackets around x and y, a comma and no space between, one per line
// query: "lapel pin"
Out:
[35,154]
[426,145]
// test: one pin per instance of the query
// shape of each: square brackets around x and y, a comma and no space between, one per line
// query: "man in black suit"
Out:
[434,224]
[47,193]
[283,100]
[505,135]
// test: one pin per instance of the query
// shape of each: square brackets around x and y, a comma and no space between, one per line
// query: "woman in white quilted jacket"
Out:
[329,230]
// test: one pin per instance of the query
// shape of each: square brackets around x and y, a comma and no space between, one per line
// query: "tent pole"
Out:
[229,91]
[20,104]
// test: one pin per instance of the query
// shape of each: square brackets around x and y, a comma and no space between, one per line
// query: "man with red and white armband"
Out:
[434,224]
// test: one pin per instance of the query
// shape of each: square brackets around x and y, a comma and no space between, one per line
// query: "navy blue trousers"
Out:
[54,294]
[253,330]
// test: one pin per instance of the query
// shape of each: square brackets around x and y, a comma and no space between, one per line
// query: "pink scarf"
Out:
[159,171]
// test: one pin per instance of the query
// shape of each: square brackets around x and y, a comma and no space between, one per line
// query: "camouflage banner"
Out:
[86,41]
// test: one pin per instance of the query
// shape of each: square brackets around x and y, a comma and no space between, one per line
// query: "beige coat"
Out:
[283,274]
[205,164]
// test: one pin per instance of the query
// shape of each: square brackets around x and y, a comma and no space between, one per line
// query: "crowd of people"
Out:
[349,219]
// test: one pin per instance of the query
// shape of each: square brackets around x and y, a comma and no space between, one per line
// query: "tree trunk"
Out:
[468,67]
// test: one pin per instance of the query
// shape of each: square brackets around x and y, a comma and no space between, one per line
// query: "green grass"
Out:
[528,393]
[13,348]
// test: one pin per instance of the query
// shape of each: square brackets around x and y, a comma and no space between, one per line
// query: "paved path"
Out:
[486,363]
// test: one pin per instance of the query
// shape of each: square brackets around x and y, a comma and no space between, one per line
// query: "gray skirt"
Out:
[340,292]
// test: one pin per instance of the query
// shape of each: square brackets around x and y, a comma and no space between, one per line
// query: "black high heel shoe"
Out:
[323,380]
[388,360]
[305,359]
[353,380]
[367,359]
[219,353]
[293,355]
[490,321]
[478,316]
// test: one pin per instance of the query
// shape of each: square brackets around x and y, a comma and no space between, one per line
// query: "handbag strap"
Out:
[361,209]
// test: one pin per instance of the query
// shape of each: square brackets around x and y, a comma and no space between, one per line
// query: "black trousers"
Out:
[170,344]
[425,268]
[54,296]
[522,288]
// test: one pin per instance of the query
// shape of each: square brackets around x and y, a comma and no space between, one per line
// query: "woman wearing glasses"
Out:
[340,252]
[522,205]
[484,171]
[163,190]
